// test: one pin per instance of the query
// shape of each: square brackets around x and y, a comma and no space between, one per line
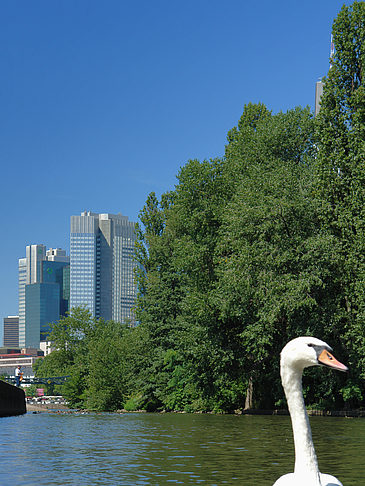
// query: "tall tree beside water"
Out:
[250,266]
[70,338]
[100,358]
[283,253]
[178,255]
[340,180]
[276,261]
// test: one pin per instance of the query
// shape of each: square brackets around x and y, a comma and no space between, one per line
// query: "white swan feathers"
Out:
[298,354]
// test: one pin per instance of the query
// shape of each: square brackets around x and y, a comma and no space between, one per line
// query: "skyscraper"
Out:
[102,265]
[42,295]
[319,92]
[320,84]
[11,331]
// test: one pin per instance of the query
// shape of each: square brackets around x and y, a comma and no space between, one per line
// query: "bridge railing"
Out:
[32,380]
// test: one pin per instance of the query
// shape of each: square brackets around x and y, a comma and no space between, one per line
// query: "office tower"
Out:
[320,84]
[29,273]
[21,298]
[43,294]
[319,92]
[102,265]
[42,307]
[56,270]
[11,331]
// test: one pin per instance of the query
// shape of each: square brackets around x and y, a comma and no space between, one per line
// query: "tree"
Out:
[160,290]
[236,265]
[341,173]
[113,353]
[70,336]
[102,359]
[271,280]
[178,256]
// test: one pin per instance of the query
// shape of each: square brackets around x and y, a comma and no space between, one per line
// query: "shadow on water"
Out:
[163,449]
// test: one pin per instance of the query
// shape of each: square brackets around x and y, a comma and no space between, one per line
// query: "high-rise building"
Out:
[320,84]
[102,265]
[319,92]
[11,331]
[21,297]
[43,296]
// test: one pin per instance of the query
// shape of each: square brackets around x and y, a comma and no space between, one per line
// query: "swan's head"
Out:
[303,352]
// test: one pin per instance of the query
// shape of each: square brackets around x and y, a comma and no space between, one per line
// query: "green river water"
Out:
[164,449]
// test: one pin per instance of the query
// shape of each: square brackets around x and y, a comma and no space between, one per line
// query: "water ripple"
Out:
[152,449]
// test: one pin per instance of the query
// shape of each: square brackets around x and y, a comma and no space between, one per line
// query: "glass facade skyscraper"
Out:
[84,231]
[102,265]
[43,292]
[42,308]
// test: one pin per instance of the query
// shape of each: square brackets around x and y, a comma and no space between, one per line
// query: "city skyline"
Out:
[98,274]
[102,104]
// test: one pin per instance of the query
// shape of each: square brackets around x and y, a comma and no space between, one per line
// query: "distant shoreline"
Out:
[51,407]
[44,407]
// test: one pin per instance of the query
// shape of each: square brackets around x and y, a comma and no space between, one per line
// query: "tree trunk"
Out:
[249,393]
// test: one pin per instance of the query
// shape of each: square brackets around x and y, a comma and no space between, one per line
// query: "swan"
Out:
[298,354]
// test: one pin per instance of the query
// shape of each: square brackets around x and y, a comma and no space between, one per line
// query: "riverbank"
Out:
[311,413]
[39,407]
[48,407]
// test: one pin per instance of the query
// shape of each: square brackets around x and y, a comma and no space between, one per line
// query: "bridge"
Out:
[33,380]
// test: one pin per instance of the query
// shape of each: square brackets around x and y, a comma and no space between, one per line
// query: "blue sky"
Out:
[103,102]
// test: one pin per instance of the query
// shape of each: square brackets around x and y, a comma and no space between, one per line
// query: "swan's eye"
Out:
[310,345]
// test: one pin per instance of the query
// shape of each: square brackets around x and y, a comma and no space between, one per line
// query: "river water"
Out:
[166,449]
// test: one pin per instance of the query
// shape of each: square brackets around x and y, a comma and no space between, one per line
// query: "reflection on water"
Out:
[164,449]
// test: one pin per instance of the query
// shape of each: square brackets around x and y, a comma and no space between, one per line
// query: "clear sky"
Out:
[101,102]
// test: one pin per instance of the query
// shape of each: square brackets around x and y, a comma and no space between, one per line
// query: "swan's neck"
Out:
[306,465]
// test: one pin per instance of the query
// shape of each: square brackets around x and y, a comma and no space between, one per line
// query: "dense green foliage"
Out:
[98,356]
[340,180]
[248,252]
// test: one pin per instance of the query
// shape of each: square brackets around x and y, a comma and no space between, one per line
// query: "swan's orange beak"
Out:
[327,359]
